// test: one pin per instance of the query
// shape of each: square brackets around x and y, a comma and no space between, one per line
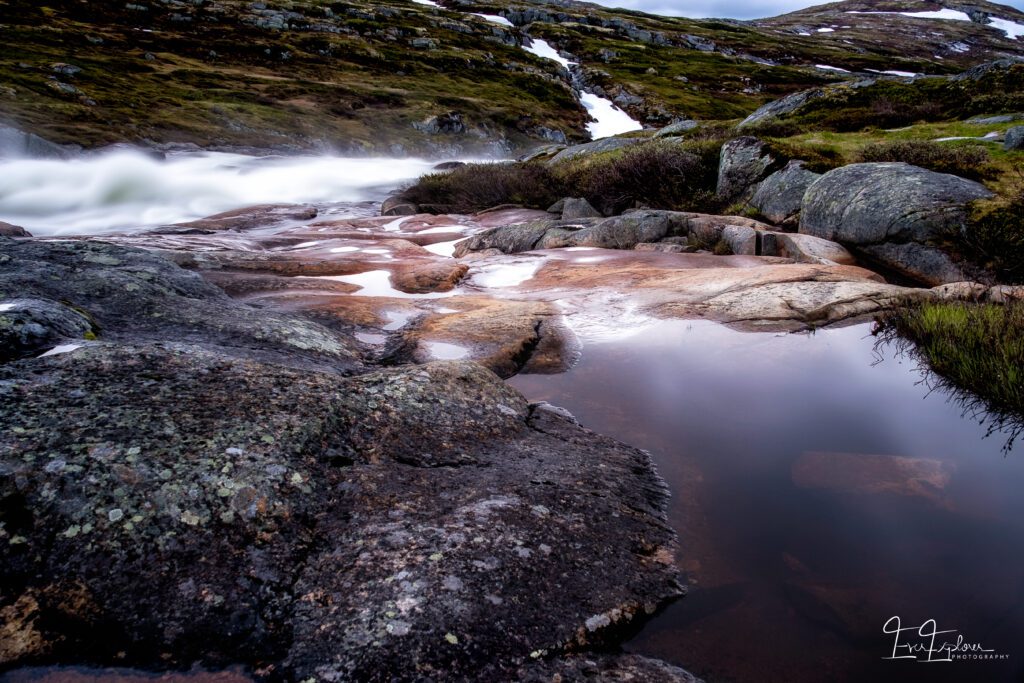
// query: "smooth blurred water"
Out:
[128,190]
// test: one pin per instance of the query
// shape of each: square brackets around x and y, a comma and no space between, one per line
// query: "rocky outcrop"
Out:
[874,206]
[1014,138]
[201,484]
[575,208]
[677,128]
[134,295]
[264,215]
[805,248]
[8,230]
[398,206]
[19,144]
[591,148]
[744,163]
[780,196]
[779,108]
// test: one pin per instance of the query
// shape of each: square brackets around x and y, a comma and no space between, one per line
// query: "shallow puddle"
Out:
[818,490]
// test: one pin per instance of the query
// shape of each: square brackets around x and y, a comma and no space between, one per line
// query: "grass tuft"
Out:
[974,350]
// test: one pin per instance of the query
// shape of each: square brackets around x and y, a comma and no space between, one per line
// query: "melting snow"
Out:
[543,49]
[6,307]
[1010,28]
[495,18]
[428,3]
[608,120]
[826,30]
[826,67]
[63,348]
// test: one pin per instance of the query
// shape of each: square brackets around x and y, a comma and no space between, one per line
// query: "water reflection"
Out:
[817,492]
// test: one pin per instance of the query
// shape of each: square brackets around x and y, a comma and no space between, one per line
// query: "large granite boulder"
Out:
[869,205]
[743,164]
[780,196]
[626,231]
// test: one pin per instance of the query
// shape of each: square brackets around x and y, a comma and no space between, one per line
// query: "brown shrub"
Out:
[474,187]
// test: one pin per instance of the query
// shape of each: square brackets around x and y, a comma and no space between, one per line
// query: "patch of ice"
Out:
[6,307]
[826,67]
[950,14]
[826,30]
[63,348]
[507,274]
[892,72]
[494,18]
[428,3]
[445,351]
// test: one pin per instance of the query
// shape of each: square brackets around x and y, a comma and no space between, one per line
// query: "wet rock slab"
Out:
[200,483]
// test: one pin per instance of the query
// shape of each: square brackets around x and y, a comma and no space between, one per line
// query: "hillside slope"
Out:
[398,77]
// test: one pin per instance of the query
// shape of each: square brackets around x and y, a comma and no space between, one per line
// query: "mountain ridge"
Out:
[396,77]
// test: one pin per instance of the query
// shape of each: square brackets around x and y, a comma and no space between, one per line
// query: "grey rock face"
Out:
[28,327]
[577,207]
[886,202]
[398,206]
[677,128]
[18,144]
[892,212]
[744,163]
[135,295]
[596,147]
[202,485]
[742,240]
[787,105]
[922,263]
[781,195]
[1014,138]
[451,123]
[626,231]
[805,248]
[394,523]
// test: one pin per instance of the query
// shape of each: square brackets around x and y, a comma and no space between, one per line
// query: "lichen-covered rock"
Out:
[591,148]
[869,205]
[779,197]
[744,163]
[805,248]
[398,206]
[741,240]
[576,207]
[421,521]
[677,128]
[886,202]
[626,231]
[1014,138]
[29,327]
[132,295]
[779,108]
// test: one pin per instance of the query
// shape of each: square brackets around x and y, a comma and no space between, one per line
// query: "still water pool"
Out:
[819,489]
